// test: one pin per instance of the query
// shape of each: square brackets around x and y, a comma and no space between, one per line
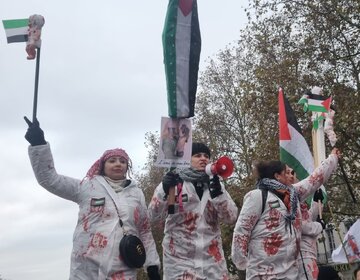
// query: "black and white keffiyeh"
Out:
[274,185]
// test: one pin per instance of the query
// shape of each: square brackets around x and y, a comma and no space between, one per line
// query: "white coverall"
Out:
[310,229]
[95,254]
[263,243]
[192,245]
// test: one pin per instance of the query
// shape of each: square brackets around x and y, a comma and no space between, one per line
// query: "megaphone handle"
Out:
[171,200]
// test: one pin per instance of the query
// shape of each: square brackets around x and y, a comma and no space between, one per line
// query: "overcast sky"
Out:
[102,85]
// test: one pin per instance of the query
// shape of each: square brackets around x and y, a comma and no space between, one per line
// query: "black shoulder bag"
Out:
[132,250]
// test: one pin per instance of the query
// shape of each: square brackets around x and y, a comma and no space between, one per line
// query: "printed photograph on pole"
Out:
[175,143]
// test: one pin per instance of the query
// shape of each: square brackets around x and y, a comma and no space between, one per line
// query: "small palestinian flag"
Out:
[182,46]
[315,103]
[16,30]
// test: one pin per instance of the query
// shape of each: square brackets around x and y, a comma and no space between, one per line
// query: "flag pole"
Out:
[347,181]
[318,144]
[36,84]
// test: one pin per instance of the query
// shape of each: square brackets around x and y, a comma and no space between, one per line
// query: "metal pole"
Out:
[36,84]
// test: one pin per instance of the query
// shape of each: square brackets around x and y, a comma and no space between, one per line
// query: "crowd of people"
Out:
[274,233]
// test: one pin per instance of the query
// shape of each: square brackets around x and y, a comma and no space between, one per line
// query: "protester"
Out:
[109,204]
[311,227]
[192,244]
[266,242]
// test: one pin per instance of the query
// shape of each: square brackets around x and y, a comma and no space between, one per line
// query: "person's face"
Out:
[199,161]
[291,176]
[285,177]
[115,168]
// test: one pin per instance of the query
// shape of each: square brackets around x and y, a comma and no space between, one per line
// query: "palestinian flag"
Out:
[182,46]
[16,30]
[294,150]
[315,103]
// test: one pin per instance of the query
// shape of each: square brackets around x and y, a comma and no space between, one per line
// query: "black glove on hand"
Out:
[34,135]
[215,187]
[170,179]
[321,221]
[153,272]
[318,195]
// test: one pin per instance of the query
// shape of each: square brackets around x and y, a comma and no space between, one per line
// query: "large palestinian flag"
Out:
[294,151]
[182,46]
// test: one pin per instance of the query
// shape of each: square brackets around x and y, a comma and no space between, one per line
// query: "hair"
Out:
[198,147]
[268,169]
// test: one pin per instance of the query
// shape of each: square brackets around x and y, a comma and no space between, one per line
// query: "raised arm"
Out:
[320,175]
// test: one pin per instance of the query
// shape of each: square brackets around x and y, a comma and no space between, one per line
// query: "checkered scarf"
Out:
[276,186]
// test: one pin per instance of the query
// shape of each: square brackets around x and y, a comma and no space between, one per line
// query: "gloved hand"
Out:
[318,195]
[170,179]
[34,134]
[321,221]
[215,187]
[153,272]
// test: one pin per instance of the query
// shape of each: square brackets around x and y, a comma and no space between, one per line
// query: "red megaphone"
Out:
[223,167]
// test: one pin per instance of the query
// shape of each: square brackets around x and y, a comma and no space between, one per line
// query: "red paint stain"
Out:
[137,215]
[98,241]
[85,222]
[120,275]
[272,244]
[172,246]
[274,219]
[214,250]
[241,243]
[190,221]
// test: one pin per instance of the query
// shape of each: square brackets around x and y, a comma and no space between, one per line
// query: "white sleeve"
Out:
[43,166]
[247,220]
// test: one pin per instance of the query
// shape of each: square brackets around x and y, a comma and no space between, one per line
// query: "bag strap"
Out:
[111,193]
[264,194]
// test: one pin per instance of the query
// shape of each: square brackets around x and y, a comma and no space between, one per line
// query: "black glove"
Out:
[170,179]
[318,195]
[321,221]
[215,187]
[34,135]
[153,272]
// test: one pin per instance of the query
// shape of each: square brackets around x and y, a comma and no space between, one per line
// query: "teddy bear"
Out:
[36,22]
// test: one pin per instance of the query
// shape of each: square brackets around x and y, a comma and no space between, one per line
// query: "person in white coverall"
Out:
[95,254]
[267,244]
[311,226]
[310,230]
[192,244]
